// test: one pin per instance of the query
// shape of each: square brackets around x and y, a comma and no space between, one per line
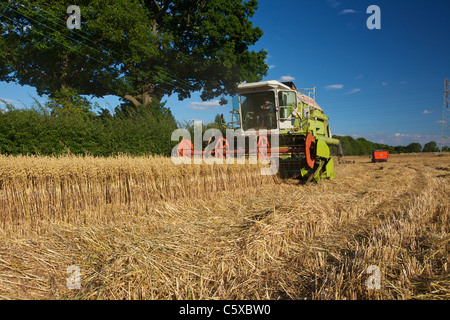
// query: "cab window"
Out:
[287,100]
[258,111]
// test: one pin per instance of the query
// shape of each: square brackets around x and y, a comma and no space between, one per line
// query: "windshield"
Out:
[258,111]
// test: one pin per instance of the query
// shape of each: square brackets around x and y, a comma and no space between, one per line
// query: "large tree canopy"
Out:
[135,49]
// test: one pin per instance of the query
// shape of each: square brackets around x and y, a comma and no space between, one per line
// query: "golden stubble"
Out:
[144,228]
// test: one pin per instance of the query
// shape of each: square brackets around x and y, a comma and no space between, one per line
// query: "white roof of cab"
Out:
[253,85]
[273,84]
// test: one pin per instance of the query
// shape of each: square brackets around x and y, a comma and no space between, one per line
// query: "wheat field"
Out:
[144,228]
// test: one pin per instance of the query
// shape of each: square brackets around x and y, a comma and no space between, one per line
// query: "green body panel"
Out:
[322,149]
[329,169]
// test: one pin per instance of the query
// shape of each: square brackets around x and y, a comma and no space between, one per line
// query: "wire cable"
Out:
[186,86]
[117,60]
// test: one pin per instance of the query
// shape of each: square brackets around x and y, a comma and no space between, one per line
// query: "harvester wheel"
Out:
[309,150]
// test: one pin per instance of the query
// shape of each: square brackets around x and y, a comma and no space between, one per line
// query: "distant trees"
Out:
[361,146]
[430,147]
[413,147]
[400,149]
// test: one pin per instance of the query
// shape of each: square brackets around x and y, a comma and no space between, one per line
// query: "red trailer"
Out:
[380,155]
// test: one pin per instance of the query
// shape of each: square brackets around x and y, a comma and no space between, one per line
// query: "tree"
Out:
[136,49]
[414,147]
[219,124]
[142,130]
[42,130]
[346,143]
[400,149]
[430,147]
[42,52]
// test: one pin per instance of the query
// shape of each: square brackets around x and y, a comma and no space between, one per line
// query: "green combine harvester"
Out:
[303,128]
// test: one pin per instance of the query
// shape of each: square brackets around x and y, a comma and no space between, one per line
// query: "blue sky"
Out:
[385,85]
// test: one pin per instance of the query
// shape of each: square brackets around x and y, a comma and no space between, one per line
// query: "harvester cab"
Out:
[303,128]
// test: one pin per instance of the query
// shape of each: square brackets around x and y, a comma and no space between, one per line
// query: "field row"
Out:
[36,191]
[263,238]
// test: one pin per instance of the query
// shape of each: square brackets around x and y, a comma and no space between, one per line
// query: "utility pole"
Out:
[444,109]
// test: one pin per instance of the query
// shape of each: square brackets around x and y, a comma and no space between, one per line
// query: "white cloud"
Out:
[335,86]
[427,111]
[354,91]
[208,105]
[406,135]
[384,83]
[406,138]
[287,78]
[348,11]
[334,3]
[359,77]
[441,121]
[403,82]
[271,66]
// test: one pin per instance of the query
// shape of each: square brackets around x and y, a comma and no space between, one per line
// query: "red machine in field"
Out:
[380,156]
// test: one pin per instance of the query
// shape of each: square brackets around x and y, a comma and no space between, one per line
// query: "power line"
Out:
[44,25]
[85,45]
[186,84]
[73,48]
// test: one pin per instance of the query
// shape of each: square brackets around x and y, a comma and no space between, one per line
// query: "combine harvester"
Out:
[303,128]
